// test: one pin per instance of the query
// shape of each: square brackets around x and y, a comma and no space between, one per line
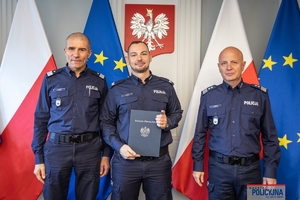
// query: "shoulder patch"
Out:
[210,88]
[166,80]
[117,82]
[259,87]
[98,74]
[53,72]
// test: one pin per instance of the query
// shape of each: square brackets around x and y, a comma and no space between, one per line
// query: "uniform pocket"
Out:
[216,116]
[160,101]
[93,99]
[210,187]
[59,99]
[251,117]
[127,103]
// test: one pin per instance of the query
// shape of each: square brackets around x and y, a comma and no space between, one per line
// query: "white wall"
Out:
[195,20]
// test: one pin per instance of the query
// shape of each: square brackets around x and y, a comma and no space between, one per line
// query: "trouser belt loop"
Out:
[54,138]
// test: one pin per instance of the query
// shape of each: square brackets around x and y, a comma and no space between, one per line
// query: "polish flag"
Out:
[229,31]
[26,59]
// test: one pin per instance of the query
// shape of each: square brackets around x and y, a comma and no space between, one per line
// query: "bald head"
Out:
[231,65]
[81,36]
[232,50]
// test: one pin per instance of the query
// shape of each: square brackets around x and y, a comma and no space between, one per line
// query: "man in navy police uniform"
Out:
[139,92]
[69,108]
[235,113]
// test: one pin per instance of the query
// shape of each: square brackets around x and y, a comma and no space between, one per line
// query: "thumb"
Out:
[163,112]
[43,174]
[101,170]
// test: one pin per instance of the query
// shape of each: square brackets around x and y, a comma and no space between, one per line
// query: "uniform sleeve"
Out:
[200,137]
[106,147]
[108,122]
[41,118]
[270,141]
[174,111]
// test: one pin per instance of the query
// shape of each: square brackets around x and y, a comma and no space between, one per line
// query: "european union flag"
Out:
[280,72]
[108,59]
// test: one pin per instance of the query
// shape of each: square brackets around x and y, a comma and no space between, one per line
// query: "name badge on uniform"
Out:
[58,102]
[215,120]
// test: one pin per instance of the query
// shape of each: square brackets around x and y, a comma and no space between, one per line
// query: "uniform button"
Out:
[233,135]
[233,122]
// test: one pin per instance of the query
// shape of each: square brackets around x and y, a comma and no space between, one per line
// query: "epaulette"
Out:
[210,88]
[117,82]
[53,72]
[98,74]
[166,80]
[259,87]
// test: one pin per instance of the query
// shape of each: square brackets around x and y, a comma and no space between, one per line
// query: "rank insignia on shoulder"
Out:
[116,83]
[210,88]
[53,72]
[50,73]
[260,87]
[167,80]
[101,75]
[98,74]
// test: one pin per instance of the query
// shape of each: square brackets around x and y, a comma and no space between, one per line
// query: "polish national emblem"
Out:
[152,24]
[145,131]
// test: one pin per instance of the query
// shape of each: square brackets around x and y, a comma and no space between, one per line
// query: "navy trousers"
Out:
[229,182]
[155,176]
[59,160]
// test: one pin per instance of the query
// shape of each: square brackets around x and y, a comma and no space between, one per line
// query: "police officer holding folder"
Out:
[141,91]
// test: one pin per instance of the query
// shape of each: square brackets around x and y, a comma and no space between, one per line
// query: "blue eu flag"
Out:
[280,72]
[108,59]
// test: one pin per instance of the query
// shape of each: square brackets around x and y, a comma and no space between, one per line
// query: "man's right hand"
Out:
[199,177]
[127,153]
[39,171]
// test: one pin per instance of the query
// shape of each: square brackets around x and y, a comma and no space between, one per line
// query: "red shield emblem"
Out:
[152,24]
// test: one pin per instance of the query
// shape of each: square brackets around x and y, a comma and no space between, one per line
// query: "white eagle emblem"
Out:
[145,131]
[149,30]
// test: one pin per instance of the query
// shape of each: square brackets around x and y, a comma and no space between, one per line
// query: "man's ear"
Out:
[90,53]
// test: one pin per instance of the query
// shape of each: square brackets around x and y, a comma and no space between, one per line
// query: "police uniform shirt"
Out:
[68,105]
[235,118]
[155,95]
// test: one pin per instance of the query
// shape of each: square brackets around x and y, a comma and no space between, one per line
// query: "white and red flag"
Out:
[27,57]
[229,31]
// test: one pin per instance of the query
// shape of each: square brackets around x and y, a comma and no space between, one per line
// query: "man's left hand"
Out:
[104,166]
[269,181]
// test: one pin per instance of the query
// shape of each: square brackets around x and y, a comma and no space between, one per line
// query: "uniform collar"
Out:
[70,72]
[228,88]
[137,80]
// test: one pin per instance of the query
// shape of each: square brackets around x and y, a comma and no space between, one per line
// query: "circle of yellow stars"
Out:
[101,58]
[289,60]
[284,141]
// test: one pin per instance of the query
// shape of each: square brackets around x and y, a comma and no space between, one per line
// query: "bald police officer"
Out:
[235,113]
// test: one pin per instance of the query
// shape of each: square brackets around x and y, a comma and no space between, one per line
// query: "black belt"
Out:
[163,151]
[232,160]
[61,138]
